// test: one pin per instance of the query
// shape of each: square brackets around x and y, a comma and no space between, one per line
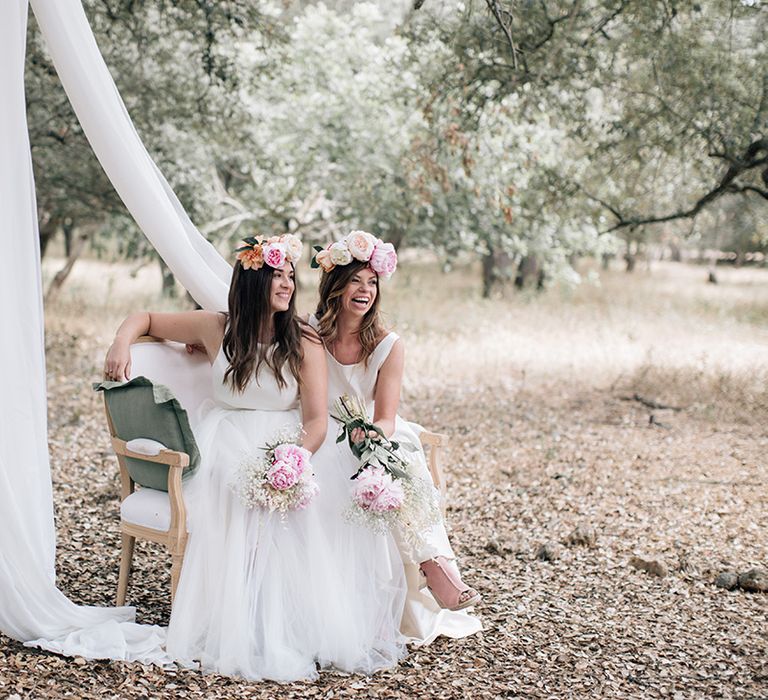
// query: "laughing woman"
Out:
[366,361]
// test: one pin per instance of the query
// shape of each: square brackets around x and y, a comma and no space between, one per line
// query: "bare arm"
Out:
[387,394]
[204,328]
[314,394]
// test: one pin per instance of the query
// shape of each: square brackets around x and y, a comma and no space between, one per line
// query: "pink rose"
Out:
[323,258]
[383,259]
[361,244]
[297,457]
[274,254]
[281,475]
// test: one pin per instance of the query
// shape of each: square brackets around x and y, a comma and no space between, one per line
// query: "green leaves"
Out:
[313,262]
[371,451]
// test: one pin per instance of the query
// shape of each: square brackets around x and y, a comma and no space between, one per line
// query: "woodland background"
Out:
[578,193]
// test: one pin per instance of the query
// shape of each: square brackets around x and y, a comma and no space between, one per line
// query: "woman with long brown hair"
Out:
[255,594]
[366,361]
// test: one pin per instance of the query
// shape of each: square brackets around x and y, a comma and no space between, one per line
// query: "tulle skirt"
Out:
[373,584]
[270,596]
[423,619]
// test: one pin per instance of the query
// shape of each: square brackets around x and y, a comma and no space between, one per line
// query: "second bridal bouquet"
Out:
[385,493]
[279,480]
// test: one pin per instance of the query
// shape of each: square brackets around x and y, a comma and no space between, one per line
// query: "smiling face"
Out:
[360,292]
[282,288]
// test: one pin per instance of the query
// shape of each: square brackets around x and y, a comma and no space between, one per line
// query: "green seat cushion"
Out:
[140,408]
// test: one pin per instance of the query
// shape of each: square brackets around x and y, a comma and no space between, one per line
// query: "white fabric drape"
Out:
[30,604]
[32,609]
[110,131]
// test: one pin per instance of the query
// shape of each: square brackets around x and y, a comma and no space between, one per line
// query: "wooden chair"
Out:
[155,510]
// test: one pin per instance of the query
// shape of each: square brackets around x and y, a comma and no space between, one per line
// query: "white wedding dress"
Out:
[262,595]
[423,620]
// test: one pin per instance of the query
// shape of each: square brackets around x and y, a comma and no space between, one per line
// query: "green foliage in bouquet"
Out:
[379,450]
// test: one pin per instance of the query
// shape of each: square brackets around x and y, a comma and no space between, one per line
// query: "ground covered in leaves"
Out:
[530,461]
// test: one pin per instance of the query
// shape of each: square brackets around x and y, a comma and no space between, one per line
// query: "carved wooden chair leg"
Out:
[435,441]
[126,559]
[177,560]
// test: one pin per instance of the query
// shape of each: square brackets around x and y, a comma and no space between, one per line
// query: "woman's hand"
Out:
[358,435]
[117,364]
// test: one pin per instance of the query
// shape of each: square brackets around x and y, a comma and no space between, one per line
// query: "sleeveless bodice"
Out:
[261,394]
[358,379]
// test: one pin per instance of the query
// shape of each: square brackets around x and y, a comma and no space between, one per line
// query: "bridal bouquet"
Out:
[386,493]
[280,480]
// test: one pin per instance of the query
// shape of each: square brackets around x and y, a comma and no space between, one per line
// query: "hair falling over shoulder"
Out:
[332,285]
[247,345]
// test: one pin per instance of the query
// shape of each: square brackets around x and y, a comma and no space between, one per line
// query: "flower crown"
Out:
[358,245]
[275,251]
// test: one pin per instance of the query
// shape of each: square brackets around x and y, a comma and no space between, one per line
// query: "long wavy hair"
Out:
[250,308]
[331,290]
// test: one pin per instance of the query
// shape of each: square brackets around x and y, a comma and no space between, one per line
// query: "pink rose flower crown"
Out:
[358,245]
[275,251]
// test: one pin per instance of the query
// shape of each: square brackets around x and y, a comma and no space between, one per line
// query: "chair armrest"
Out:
[171,458]
[432,439]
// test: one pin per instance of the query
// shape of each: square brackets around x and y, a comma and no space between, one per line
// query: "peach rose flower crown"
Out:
[358,245]
[257,251]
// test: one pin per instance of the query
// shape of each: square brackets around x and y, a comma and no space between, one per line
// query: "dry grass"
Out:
[536,393]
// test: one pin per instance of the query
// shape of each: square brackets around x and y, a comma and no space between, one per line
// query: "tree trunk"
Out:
[47,232]
[77,245]
[529,269]
[630,259]
[68,229]
[489,273]
[605,261]
[169,290]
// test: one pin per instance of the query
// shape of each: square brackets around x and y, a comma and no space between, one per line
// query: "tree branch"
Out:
[738,167]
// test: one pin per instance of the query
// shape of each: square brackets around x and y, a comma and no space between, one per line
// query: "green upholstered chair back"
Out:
[140,408]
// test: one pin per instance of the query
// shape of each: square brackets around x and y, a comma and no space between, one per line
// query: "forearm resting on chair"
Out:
[134,326]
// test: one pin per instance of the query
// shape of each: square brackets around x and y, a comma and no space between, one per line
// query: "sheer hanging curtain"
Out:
[110,131]
[32,609]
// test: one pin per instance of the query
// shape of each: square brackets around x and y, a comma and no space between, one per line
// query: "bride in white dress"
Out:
[262,595]
[366,361]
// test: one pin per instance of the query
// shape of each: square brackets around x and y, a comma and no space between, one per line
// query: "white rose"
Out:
[340,254]
[361,245]
[294,247]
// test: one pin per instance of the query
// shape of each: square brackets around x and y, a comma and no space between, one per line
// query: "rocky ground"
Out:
[566,615]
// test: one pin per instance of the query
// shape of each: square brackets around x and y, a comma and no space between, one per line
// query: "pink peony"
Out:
[389,498]
[383,259]
[308,493]
[294,455]
[281,475]
[375,490]
[274,254]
